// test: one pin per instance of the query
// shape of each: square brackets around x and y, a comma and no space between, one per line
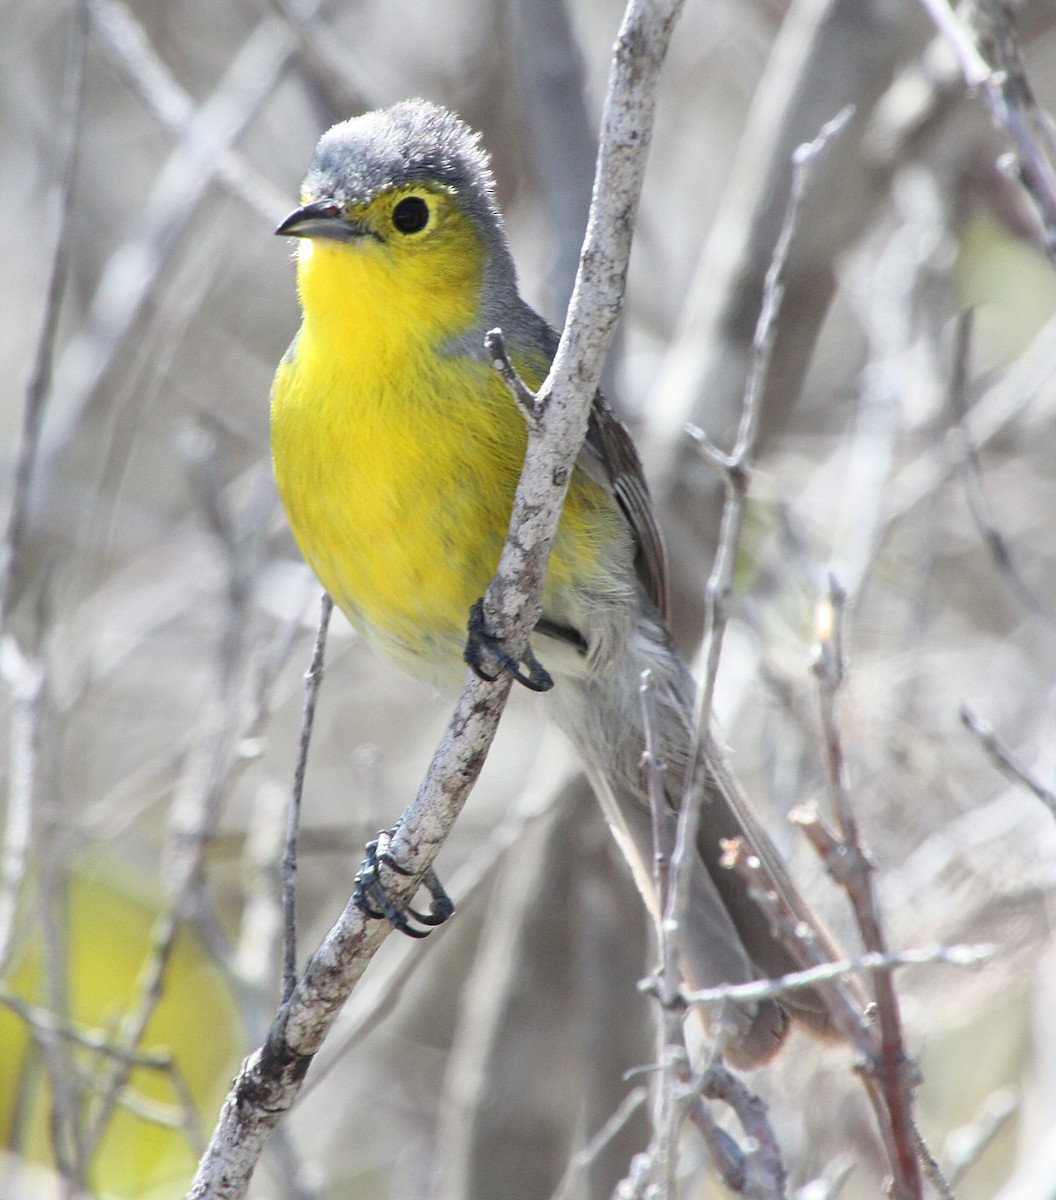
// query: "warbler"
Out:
[397,449]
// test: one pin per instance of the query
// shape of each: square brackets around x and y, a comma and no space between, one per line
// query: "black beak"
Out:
[320,219]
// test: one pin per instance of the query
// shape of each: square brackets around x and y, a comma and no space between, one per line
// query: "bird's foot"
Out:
[482,644]
[372,899]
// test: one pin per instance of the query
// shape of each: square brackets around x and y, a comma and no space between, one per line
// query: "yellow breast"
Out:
[397,463]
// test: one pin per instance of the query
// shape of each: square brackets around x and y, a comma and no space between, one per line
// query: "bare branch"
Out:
[527,401]
[849,864]
[312,680]
[583,1159]
[736,477]
[26,681]
[68,127]
[764,1167]
[972,474]
[966,1145]
[765,989]
[1005,102]
[133,270]
[1003,759]
[131,51]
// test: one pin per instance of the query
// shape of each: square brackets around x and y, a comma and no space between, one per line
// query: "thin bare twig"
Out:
[207,772]
[766,989]
[130,276]
[36,799]
[130,49]
[45,1028]
[736,466]
[765,1177]
[68,124]
[1003,759]
[726,1156]
[26,680]
[527,401]
[674,1094]
[678,1098]
[735,470]
[1004,100]
[972,474]
[756,1172]
[966,1145]
[848,863]
[584,1158]
[312,680]
[843,1005]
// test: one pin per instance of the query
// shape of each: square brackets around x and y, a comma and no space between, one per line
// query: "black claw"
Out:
[373,900]
[441,906]
[482,642]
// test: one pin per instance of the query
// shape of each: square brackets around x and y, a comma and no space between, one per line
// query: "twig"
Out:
[271,1078]
[972,474]
[327,62]
[995,21]
[967,1144]
[735,470]
[45,1029]
[845,858]
[766,989]
[68,124]
[929,1164]
[69,1142]
[205,777]
[130,49]
[131,274]
[673,1101]
[726,1156]
[758,1172]
[677,1097]
[45,1024]
[844,1006]
[825,56]
[1003,759]
[312,679]
[26,680]
[527,401]
[735,467]
[764,1167]
[585,1157]
[1004,101]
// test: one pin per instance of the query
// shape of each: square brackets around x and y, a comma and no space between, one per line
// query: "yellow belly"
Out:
[398,479]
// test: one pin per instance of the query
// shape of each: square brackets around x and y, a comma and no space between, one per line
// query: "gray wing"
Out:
[610,458]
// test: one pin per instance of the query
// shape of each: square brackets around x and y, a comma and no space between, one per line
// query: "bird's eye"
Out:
[411,214]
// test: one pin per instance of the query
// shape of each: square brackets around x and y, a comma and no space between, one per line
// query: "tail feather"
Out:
[726,938]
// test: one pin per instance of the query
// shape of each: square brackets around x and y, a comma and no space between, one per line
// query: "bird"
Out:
[397,448]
